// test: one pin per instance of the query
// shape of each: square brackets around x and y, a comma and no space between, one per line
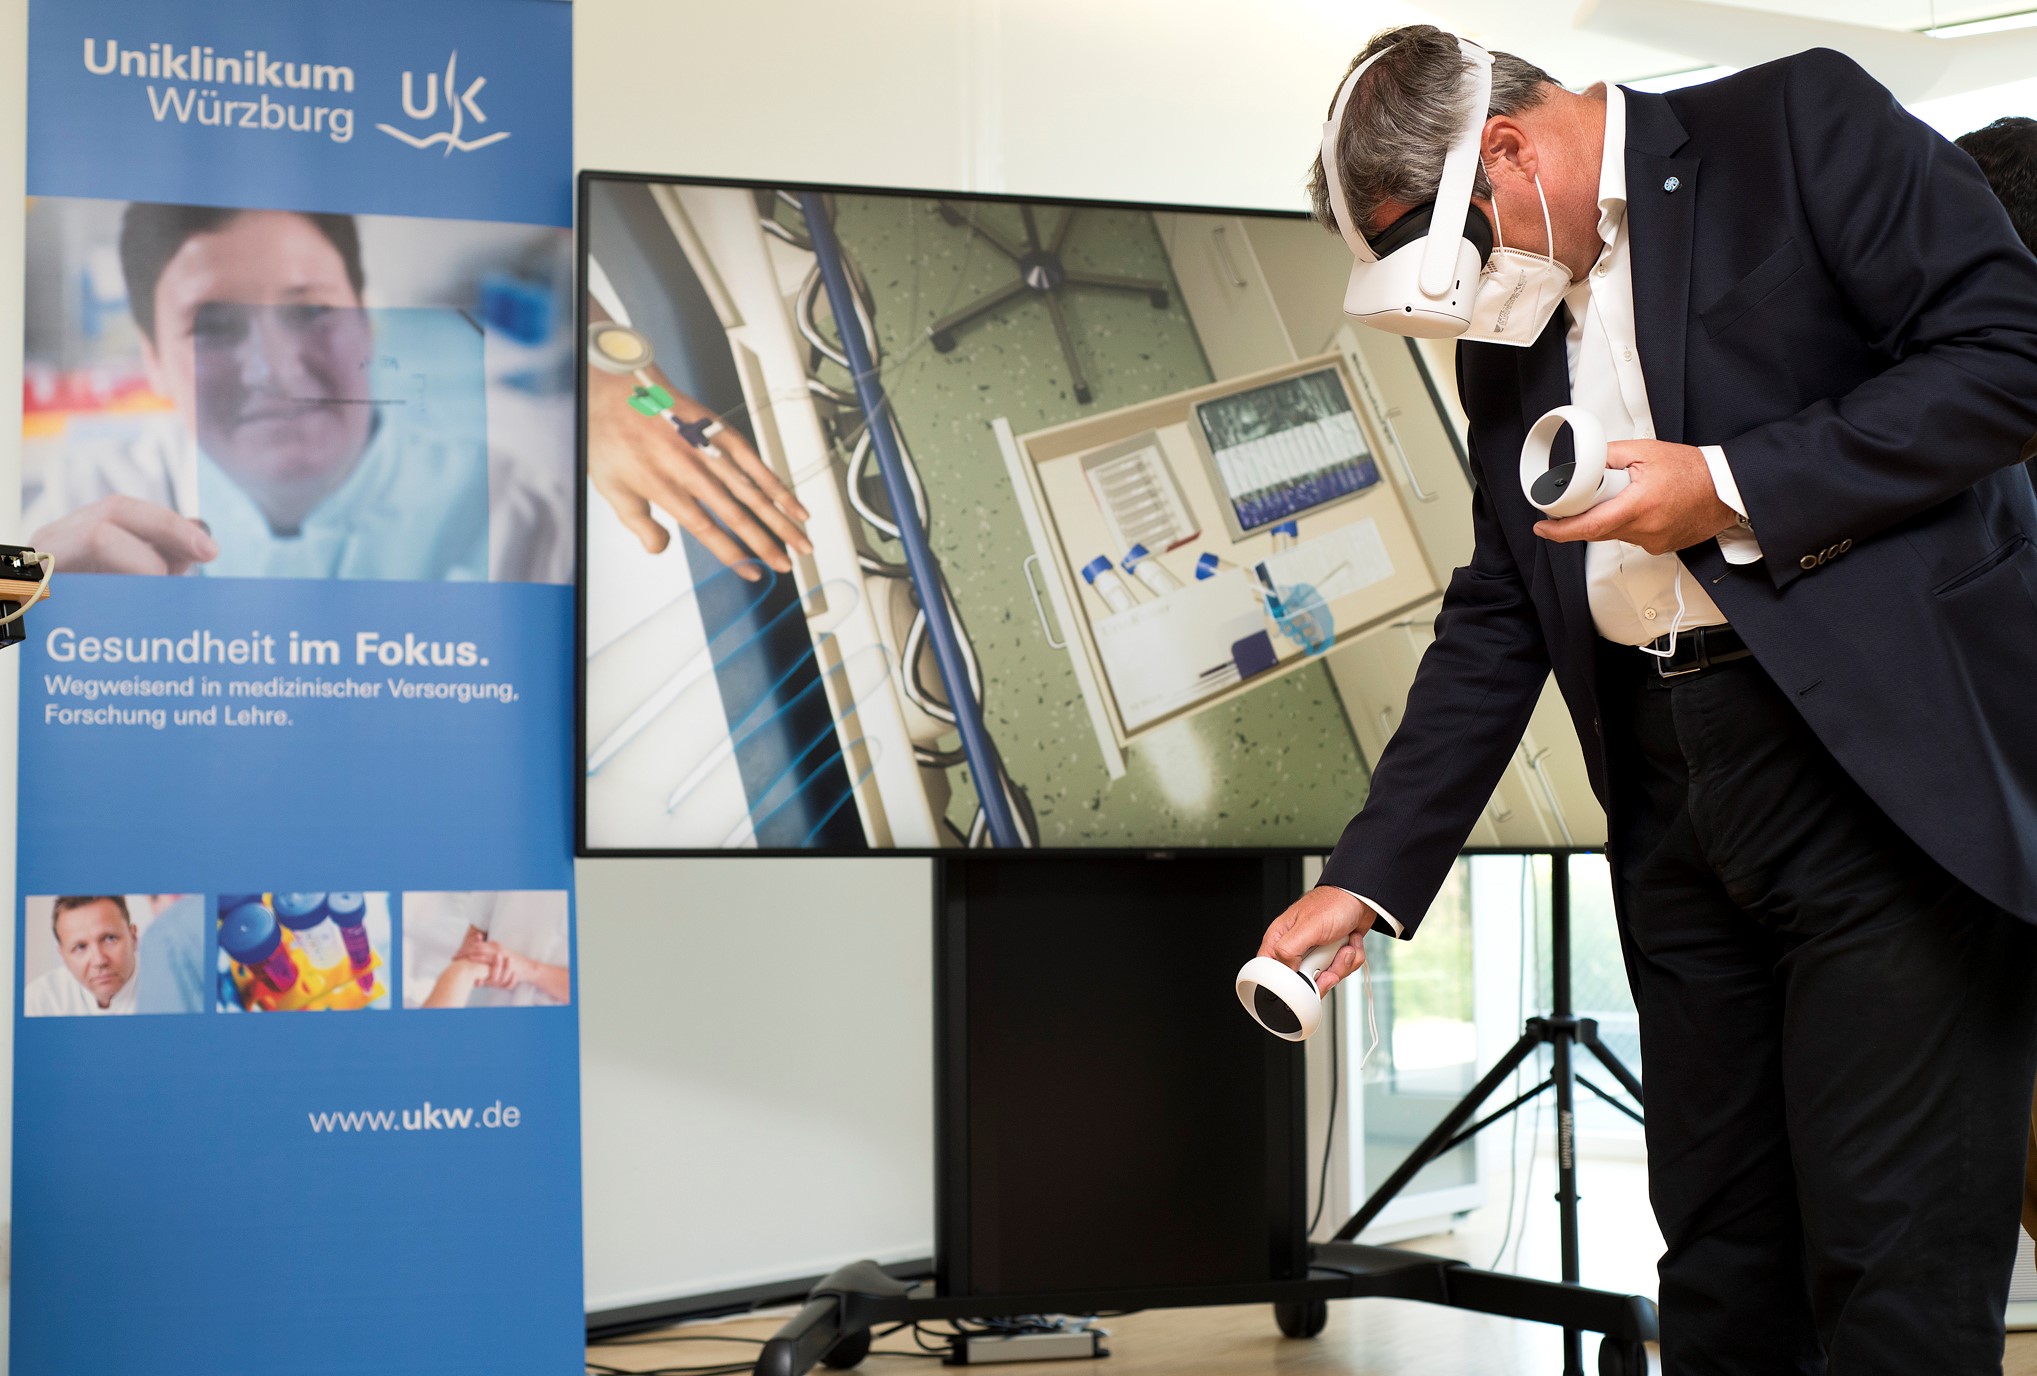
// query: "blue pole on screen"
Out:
[977,746]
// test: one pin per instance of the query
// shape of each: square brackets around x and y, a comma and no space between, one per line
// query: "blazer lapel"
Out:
[1662,192]
[1545,385]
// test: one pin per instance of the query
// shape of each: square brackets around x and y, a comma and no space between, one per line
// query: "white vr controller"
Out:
[1568,489]
[1283,999]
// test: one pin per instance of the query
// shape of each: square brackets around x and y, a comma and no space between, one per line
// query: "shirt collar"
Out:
[1612,168]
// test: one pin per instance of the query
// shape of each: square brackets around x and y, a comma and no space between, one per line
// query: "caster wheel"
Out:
[1159,300]
[943,342]
[1082,395]
[1622,1357]
[1304,1318]
[849,1349]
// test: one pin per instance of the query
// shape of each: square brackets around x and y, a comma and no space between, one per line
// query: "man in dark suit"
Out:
[1800,651]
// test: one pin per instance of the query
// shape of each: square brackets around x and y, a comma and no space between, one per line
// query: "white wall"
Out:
[716,1156]
[757,1071]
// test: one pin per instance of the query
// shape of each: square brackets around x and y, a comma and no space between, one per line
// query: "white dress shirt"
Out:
[1635,596]
[57,994]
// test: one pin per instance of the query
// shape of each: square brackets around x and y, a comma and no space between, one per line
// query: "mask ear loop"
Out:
[1548,226]
[1675,622]
[1371,1021]
[1499,233]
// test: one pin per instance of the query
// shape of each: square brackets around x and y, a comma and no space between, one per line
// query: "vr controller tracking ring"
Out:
[1568,489]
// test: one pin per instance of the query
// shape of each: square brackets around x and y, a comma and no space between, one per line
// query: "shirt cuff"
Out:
[1737,544]
[1384,916]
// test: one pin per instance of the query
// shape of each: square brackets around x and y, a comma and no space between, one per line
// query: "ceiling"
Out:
[1955,78]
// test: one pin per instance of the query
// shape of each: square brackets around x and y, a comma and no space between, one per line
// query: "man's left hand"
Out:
[1670,502]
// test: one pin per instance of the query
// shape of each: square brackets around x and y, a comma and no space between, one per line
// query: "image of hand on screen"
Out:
[274,421]
[1114,556]
[487,949]
[716,489]
[96,943]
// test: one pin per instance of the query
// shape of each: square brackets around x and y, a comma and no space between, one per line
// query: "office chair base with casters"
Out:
[1043,272]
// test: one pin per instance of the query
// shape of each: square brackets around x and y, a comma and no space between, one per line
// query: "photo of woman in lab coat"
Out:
[269,393]
[220,394]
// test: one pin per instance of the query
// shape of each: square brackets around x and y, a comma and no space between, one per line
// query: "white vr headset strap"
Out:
[1460,167]
[1460,164]
[1339,207]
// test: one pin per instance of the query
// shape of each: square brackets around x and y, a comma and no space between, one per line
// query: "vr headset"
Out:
[1420,275]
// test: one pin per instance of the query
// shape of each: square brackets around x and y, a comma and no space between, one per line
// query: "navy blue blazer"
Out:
[1833,294]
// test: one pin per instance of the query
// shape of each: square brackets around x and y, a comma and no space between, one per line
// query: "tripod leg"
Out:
[1433,1144]
[1566,1188]
[1629,1081]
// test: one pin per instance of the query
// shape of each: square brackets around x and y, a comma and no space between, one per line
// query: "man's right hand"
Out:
[121,534]
[1320,916]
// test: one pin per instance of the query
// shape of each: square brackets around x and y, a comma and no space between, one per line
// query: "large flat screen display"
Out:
[917,521]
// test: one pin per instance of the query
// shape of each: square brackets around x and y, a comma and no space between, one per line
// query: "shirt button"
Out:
[1648,612]
[1602,269]
[1627,355]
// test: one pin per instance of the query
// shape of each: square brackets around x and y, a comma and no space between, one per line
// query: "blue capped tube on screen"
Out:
[1141,563]
[1099,574]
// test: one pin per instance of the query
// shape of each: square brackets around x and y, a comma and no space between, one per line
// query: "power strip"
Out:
[978,1349]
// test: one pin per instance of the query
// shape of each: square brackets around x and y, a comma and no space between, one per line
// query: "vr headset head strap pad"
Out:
[1460,164]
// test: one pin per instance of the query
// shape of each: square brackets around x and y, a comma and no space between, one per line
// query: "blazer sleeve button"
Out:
[1808,562]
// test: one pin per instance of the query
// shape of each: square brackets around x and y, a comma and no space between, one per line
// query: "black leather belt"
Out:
[1697,650]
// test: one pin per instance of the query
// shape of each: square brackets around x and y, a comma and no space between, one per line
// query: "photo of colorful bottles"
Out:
[286,952]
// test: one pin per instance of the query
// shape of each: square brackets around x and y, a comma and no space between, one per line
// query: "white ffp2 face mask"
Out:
[1519,291]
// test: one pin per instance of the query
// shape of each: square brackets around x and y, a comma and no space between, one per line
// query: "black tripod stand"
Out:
[1563,1032]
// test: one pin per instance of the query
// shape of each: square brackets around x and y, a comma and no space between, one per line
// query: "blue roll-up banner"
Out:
[295,731]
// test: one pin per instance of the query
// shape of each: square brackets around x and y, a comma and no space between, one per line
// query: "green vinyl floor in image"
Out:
[1276,766]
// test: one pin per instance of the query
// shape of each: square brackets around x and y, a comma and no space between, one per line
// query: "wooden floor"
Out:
[1364,1337]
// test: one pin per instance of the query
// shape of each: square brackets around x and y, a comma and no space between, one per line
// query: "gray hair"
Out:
[1403,116]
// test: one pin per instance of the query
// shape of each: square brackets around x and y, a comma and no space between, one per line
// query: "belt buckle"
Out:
[1700,661]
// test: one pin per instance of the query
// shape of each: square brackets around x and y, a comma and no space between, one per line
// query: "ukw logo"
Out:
[460,104]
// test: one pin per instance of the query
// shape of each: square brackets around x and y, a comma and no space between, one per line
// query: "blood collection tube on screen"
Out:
[349,912]
[305,914]
[250,935]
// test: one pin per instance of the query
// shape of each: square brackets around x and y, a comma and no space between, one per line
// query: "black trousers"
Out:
[1838,1041]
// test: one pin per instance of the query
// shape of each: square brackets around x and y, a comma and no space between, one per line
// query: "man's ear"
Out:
[1505,147]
